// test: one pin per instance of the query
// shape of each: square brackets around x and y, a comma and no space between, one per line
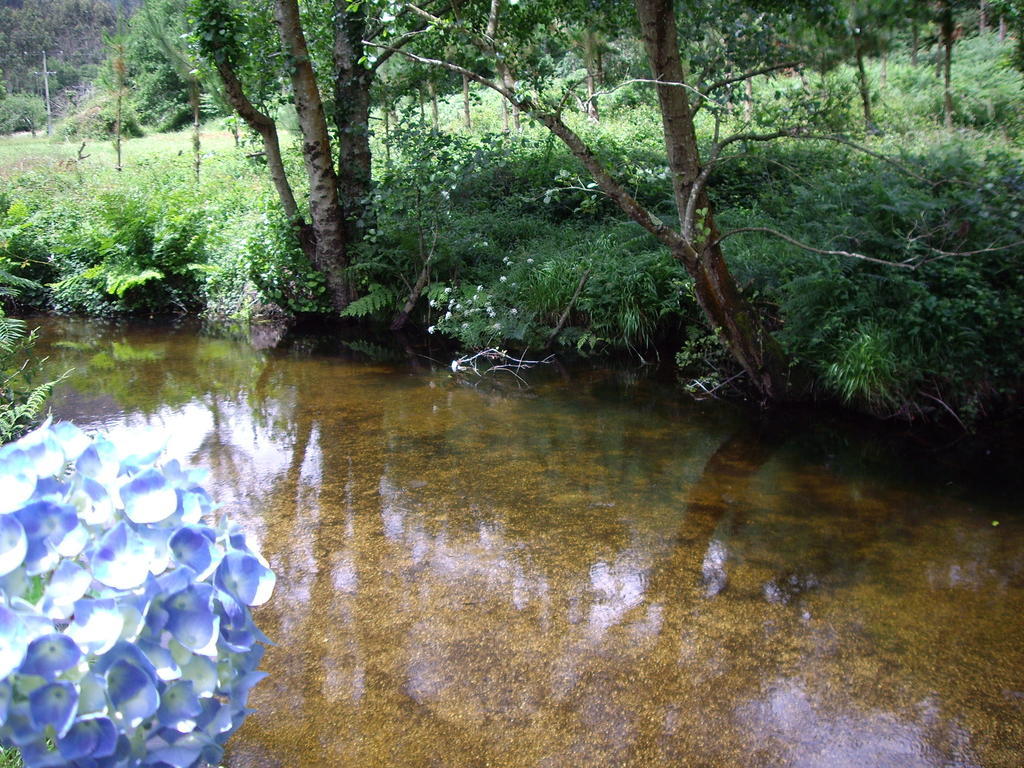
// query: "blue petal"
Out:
[13,544]
[194,504]
[55,705]
[97,625]
[246,577]
[100,461]
[40,557]
[67,585]
[17,478]
[44,450]
[94,737]
[47,519]
[100,507]
[119,560]
[5,700]
[131,692]
[37,754]
[19,728]
[92,695]
[241,687]
[148,498]
[161,659]
[124,651]
[203,674]
[74,542]
[50,489]
[50,655]
[194,546]
[141,448]
[71,439]
[179,706]
[191,619]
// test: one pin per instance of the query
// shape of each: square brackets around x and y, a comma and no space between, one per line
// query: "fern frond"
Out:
[12,333]
[119,284]
[377,301]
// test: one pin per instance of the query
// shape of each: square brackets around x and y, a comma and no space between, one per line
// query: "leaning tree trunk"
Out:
[330,256]
[352,82]
[738,325]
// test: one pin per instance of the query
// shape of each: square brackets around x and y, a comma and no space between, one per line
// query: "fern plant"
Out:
[21,400]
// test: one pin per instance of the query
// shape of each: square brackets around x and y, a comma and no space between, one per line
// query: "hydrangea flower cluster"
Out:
[126,637]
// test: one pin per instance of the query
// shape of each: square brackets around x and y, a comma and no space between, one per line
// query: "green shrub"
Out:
[22,112]
[96,119]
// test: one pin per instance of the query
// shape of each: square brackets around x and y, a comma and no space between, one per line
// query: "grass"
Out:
[22,153]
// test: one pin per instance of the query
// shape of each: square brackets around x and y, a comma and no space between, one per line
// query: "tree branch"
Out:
[812,249]
[554,123]
[749,74]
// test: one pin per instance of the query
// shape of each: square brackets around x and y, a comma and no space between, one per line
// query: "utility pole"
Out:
[46,92]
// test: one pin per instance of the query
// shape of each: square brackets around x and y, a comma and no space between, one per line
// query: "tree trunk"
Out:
[331,252]
[400,319]
[728,314]
[352,82]
[982,16]
[915,43]
[590,62]
[862,85]
[386,109]
[265,126]
[432,91]
[946,29]
[748,100]
[193,97]
[1002,28]
[465,101]
[883,76]
[510,84]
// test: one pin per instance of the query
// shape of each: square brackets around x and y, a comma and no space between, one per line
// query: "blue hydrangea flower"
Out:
[141,649]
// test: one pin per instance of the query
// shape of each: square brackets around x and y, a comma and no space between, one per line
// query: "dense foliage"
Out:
[494,236]
[125,631]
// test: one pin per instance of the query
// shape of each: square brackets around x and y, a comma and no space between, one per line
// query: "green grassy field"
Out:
[22,152]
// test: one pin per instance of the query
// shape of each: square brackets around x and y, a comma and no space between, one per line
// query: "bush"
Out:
[96,118]
[22,112]
[125,632]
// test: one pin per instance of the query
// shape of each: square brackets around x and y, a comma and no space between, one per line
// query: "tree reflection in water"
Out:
[576,577]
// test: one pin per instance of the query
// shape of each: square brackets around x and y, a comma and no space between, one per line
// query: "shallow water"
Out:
[588,572]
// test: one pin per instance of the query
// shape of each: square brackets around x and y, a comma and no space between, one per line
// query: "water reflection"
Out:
[570,578]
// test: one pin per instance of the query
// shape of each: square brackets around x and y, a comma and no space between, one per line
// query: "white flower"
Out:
[465,326]
[448,315]
[513,311]
[503,279]
[479,288]
[432,303]
[529,261]
[430,329]
[497,326]
[447,290]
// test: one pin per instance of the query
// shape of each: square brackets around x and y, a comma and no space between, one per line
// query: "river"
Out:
[589,571]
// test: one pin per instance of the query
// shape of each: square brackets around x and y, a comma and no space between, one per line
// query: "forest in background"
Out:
[863,158]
